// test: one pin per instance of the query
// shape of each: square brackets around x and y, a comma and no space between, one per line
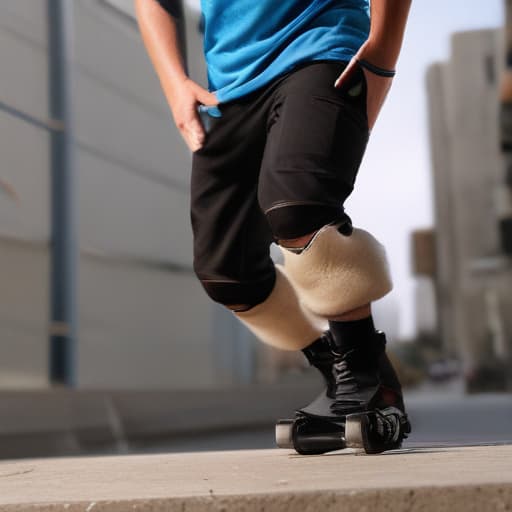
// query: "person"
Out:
[294,90]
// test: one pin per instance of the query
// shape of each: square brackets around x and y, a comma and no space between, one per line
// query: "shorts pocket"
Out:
[348,140]
[353,94]
[306,128]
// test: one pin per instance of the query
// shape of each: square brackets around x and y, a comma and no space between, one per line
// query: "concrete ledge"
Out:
[74,422]
[438,479]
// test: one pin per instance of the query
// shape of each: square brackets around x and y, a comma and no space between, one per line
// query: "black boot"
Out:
[361,407]
[368,395]
[321,355]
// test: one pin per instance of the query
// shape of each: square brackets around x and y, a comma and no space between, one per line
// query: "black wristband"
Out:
[388,73]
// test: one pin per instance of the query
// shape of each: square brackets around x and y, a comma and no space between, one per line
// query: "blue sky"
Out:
[393,190]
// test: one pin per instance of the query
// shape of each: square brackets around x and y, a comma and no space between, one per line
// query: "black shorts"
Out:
[278,164]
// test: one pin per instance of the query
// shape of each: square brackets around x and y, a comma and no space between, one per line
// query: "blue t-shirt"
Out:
[248,43]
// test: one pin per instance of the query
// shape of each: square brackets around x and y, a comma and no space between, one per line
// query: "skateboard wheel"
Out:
[284,433]
[355,430]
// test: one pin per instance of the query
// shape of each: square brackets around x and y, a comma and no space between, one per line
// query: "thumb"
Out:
[205,97]
[195,127]
[194,133]
[345,73]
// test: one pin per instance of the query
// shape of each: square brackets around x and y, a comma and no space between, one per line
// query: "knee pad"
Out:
[336,273]
[242,294]
[281,320]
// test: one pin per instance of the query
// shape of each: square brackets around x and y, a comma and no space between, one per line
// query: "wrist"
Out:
[175,79]
[173,83]
[376,70]
[380,52]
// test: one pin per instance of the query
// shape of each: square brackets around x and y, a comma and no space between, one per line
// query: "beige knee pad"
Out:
[280,320]
[338,273]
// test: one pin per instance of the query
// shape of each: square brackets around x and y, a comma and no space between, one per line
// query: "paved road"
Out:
[440,417]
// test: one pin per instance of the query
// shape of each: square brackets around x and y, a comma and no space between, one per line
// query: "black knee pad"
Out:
[239,295]
[293,221]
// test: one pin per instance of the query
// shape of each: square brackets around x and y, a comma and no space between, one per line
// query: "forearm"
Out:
[160,37]
[388,21]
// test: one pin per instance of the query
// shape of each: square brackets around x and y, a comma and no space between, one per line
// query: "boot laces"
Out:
[348,383]
[343,377]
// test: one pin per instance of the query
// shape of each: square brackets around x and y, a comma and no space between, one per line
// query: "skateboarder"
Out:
[295,88]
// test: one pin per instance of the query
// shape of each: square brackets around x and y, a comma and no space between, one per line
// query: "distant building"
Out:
[473,278]
[424,269]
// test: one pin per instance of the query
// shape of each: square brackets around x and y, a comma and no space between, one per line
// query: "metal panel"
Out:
[24,169]
[143,327]
[23,314]
[128,215]
[24,60]
[24,188]
[26,19]
[120,104]
[133,167]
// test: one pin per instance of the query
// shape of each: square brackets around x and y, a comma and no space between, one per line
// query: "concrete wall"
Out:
[144,322]
[23,314]
[141,307]
[24,201]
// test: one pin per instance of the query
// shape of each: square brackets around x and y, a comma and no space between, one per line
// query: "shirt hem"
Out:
[342,56]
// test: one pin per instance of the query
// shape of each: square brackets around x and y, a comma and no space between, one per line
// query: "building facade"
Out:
[473,280]
[143,320]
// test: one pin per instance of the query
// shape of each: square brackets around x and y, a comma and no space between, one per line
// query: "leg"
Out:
[281,318]
[232,236]
[312,156]
[337,277]
[355,314]
[311,160]
[234,269]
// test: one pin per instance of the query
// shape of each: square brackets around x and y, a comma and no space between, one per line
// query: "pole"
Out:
[64,252]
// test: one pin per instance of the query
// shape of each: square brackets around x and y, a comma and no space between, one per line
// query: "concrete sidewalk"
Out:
[427,479]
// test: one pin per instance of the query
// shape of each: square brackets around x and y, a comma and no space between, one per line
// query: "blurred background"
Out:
[108,344]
